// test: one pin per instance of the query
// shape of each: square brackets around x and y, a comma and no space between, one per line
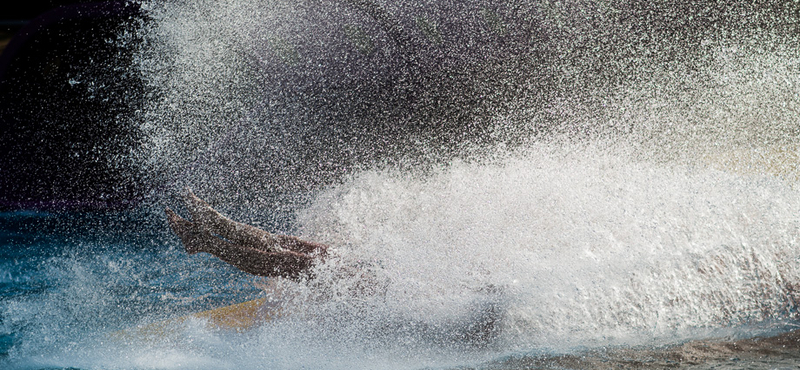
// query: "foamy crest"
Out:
[587,244]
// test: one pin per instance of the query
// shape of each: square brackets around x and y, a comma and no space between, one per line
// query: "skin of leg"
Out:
[245,235]
[282,263]
[194,239]
[286,264]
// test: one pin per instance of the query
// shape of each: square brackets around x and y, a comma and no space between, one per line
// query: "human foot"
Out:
[202,214]
[186,230]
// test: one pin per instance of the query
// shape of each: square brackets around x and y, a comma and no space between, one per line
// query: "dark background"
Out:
[64,94]
[67,92]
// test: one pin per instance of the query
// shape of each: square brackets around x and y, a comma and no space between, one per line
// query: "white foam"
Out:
[590,245]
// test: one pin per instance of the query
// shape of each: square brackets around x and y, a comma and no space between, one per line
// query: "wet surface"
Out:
[775,352]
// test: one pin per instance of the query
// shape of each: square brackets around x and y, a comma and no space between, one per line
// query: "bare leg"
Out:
[280,263]
[245,235]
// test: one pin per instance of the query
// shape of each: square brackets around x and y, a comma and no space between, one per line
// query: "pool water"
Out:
[600,260]
[525,188]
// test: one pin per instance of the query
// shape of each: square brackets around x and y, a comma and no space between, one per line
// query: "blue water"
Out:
[69,278]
